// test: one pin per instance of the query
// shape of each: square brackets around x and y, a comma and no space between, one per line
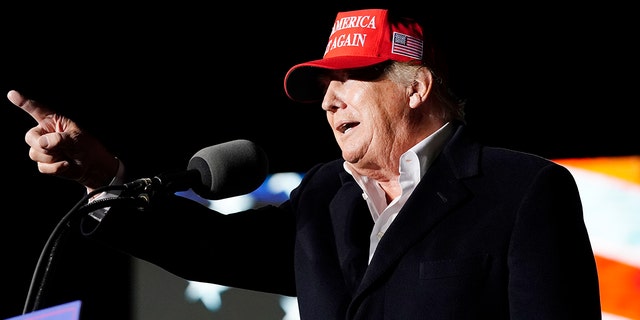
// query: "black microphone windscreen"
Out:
[229,169]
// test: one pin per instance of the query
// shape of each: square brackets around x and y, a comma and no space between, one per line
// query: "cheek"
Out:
[364,93]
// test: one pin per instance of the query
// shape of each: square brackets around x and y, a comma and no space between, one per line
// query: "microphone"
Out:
[216,172]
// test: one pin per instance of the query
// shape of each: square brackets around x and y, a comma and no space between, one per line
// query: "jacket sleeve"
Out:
[252,249]
[552,266]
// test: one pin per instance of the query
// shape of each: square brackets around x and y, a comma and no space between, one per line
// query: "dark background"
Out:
[158,83]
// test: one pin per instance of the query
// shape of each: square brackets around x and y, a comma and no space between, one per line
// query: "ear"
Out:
[420,88]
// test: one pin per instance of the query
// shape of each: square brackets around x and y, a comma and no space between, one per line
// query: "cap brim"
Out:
[301,82]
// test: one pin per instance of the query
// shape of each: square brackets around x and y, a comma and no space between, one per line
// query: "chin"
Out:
[348,157]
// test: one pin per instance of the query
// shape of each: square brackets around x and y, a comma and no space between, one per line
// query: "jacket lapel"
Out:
[352,225]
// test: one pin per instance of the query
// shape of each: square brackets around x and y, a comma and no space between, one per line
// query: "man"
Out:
[416,221]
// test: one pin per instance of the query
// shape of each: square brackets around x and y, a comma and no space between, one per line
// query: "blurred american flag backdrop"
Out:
[610,191]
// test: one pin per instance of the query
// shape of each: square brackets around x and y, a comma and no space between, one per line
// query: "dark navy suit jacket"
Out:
[488,233]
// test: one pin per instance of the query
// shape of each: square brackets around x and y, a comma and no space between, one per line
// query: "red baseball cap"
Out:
[359,38]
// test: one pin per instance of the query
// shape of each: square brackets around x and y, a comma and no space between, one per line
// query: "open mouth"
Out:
[343,128]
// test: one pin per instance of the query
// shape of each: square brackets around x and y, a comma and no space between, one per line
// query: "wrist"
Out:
[112,173]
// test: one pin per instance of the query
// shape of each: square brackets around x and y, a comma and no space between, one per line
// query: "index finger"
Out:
[32,107]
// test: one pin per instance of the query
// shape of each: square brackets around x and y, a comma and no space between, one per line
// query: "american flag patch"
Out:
[407,46]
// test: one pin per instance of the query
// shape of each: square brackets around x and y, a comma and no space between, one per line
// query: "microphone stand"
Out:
[42,271]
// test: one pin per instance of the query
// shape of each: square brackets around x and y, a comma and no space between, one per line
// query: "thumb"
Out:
[37,111]
[50,139]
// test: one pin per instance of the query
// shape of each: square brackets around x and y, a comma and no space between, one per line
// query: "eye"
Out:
[369,73]
[325,78]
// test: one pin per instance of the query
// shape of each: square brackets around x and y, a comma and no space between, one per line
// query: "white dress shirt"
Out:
[413,164]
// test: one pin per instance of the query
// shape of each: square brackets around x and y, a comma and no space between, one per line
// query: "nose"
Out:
[331,101]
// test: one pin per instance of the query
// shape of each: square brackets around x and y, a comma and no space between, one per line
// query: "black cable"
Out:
[55,236]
